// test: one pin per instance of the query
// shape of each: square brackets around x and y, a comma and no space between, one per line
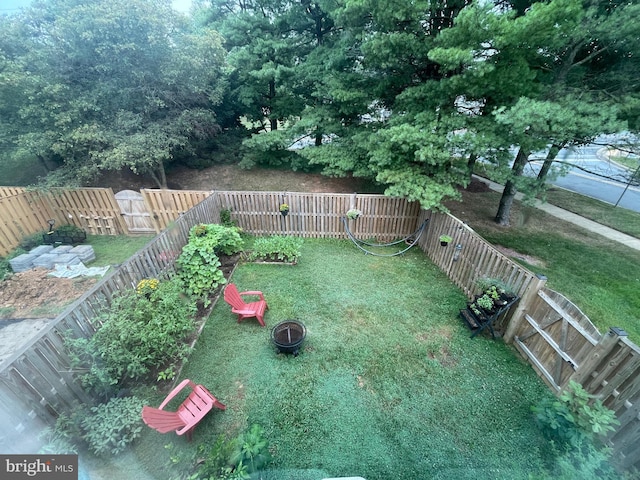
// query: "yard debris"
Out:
[78,270]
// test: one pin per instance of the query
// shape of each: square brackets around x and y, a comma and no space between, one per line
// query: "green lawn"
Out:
[389,384]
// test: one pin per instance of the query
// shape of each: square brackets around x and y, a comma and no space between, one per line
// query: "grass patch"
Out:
[618,218]
[112,250]
[599,275]
[388,385]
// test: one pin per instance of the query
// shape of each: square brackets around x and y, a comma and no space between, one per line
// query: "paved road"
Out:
[592,158]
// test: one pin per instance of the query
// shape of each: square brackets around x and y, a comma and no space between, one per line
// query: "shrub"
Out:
[573,424]
[276,248]
[112,426]
[138,334]
[570,418]
[252,449]
[199,263]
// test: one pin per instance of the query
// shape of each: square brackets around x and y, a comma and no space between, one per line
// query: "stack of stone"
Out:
[84,252]
[45,256]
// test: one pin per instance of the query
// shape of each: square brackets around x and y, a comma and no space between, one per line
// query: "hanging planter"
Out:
[284,209]
[353,214]
[444,240]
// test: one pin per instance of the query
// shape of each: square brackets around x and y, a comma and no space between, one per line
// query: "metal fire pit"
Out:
[288,336]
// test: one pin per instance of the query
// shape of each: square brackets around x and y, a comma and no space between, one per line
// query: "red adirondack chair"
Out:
[243,309]
[189,413]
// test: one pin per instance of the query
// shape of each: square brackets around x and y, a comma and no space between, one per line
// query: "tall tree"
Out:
[115,84]
[558,49]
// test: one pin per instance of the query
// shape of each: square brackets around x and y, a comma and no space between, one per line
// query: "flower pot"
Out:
[444,244]
[284,213]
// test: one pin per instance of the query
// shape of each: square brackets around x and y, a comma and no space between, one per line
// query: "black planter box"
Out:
[65,239]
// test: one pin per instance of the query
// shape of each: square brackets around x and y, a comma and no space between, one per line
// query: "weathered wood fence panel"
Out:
[21,215]
[93,209]
[319,214]
[165,206]
[135,212]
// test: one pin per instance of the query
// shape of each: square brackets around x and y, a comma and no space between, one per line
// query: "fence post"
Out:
[526,298]
[606,344]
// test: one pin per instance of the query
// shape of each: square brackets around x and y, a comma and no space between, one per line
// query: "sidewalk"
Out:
[567,216]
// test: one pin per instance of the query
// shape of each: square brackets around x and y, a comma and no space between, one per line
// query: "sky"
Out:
[6,6]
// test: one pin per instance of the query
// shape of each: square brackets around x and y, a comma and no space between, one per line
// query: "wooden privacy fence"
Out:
[100,212]
[549,331]
[37,382]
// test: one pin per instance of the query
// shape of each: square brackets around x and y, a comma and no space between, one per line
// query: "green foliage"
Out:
[199,263]
[277,248]
[485,302]
[252,449]
[141,92]
[583,461]
[56,441]
[31,241]
[138,335]
[225,218]
[218,464]
[112,426]
[573,417]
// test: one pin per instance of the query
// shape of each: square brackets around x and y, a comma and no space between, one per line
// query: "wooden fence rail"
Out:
[561,344]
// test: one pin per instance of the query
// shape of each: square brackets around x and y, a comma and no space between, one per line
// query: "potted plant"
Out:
[445,240]
[284,209]
[353,213]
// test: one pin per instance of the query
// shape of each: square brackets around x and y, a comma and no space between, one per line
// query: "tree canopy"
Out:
[109,84]
[411,94]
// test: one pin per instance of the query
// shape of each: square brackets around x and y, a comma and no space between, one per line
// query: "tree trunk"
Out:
[46,163]
[161,177]
[546,166]
[471,163]
[510,190]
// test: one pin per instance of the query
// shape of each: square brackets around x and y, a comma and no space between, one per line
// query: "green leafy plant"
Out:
[573,416]
[138,334]
[218,463]
[353,213]
[485,302]
[70,230]
[199,263]
[445,239]
[284,207]
[112,426]
[225,218]
[487,283]
[252,449]
[168,373]
[276,248]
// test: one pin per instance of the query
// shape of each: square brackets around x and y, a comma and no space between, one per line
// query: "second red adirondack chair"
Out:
[189,413]
[243,309]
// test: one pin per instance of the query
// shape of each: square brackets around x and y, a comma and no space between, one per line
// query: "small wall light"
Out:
[456,253]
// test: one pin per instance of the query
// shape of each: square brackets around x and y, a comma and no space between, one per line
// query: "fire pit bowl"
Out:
[288,336]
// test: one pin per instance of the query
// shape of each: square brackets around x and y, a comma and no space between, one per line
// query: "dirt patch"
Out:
[34,294]
[232,177]
[536,262]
